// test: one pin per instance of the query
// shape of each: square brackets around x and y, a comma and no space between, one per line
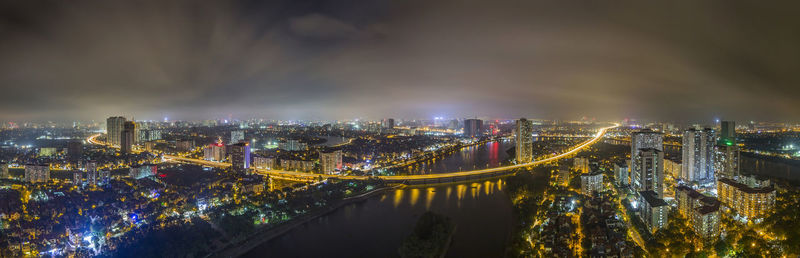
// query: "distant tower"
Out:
[114,129]
[698,155]
[644,139]
[524,148]
[727,133]
[473,127]
[128,137]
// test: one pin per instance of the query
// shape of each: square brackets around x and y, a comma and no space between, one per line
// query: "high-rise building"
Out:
[621,174]
[92,175]
[473,127]
[388,123]
[37,173]
[127,137]
[653,210]
[698,155]
[727,161]
[651,177]
[240,156]
[749,201]
[330,161]
[74,150]
[591,183]
[524,146]
[727,133]
[643,139]
[701,211]
[237,136]
[214,152]
[114,126]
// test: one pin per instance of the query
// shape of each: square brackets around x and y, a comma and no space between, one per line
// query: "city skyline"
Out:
[399,128]
[410,59]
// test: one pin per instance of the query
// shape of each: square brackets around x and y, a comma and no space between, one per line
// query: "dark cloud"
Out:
[678,60]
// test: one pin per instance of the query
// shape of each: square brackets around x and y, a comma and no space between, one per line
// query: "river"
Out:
[376,227]
[485,155]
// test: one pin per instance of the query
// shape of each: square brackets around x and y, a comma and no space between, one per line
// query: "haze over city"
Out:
[677,60]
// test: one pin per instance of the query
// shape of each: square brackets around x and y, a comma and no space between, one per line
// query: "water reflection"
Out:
[490,154]
[411,195]
[377,226]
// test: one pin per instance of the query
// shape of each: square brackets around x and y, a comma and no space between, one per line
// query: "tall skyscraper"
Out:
[644,139]
[330,161]
[727,133]
[237,136]
[114,126]
[240,156]
[127,137]
[698,155]
[524,147]
[473,127]
[651,178]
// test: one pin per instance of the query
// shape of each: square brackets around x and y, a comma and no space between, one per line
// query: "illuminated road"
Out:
[429,178]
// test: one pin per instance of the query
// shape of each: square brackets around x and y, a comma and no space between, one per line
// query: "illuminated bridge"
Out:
[411,179]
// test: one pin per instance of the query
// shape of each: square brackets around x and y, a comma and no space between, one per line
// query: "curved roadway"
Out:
[304,176]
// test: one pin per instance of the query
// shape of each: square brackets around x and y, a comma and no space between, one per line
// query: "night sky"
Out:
[671,60]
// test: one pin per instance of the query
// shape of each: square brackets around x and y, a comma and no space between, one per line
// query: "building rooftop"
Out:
[745,188]
[652,198]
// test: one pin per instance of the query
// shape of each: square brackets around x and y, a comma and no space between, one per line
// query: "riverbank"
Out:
[266,234]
